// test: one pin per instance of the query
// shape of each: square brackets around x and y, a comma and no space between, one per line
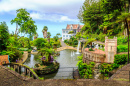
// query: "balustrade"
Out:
[18,67]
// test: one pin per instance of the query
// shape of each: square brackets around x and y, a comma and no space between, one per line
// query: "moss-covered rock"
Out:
[48,69]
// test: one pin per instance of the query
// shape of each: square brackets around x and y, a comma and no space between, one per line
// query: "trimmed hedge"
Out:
[122,48]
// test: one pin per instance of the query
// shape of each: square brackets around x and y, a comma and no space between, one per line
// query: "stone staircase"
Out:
[96,71]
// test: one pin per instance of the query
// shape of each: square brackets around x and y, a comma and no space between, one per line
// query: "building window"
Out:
[63,31]
[63,38]
[69,35]
[66,31]
[66,35]
[63,35]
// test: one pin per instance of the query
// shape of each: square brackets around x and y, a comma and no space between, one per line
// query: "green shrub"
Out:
[122,48]
[22,53]
[85,70]
[122,40]
[80,57]
[120,59]
[23,49]
[91,49]
[29,51]
[115,66]
[12,54]
[41,78]
[105,69]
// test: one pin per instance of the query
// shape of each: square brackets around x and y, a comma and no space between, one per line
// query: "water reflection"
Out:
[31,61]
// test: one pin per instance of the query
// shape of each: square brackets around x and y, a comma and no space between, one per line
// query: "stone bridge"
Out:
[27,71]
[67,47]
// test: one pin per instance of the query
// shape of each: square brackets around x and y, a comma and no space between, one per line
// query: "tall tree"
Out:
[25,22]
[44,30]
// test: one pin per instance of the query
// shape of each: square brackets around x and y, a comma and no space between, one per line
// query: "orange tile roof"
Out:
[74,26]
[4,58]
[97,51]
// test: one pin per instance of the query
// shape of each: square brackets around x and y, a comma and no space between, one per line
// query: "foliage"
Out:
[39,42]
[25,22]
[91,49]
[80,57]
[29,50]
[12,54]
[85,70]
[73,41]
[105,69]
[4,35]
[23,42]
[120,59]
[23,49]
[13,41]
[71,32]
[41,78]
[104,16]
[45,28]
[46,52]
[122,40]
[78,35]
[122,48]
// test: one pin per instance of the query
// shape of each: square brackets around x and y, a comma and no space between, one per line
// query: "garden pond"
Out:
[67,59]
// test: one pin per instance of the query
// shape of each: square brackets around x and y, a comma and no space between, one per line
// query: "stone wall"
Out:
[107,56]
[89,56]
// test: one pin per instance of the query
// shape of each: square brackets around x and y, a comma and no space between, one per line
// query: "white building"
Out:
[70,27]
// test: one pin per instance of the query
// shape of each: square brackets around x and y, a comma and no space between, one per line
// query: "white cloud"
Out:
[51,17]
[57,10]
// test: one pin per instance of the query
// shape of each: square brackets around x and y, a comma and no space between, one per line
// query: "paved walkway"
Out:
[64,46]
[62,43]
[24,58]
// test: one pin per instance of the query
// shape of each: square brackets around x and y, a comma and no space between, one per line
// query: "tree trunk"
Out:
[129,6]
[128,39]
[49,57]
[45,33]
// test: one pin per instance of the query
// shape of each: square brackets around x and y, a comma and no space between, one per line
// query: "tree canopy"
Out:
[25,22]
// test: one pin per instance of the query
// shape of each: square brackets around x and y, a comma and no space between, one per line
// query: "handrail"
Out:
[35,76]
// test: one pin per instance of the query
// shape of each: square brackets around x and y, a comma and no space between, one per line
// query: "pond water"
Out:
[67,60]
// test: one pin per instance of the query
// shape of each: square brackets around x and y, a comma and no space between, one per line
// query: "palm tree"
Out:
[48,36]
[35,36]
[44,30]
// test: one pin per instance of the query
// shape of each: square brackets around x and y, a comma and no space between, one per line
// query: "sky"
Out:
[55,14]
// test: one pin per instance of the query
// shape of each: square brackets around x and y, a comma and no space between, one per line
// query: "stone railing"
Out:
[27,71]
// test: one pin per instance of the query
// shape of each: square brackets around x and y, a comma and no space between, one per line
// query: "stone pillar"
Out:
[25,69]
[30,74]
[19,69]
